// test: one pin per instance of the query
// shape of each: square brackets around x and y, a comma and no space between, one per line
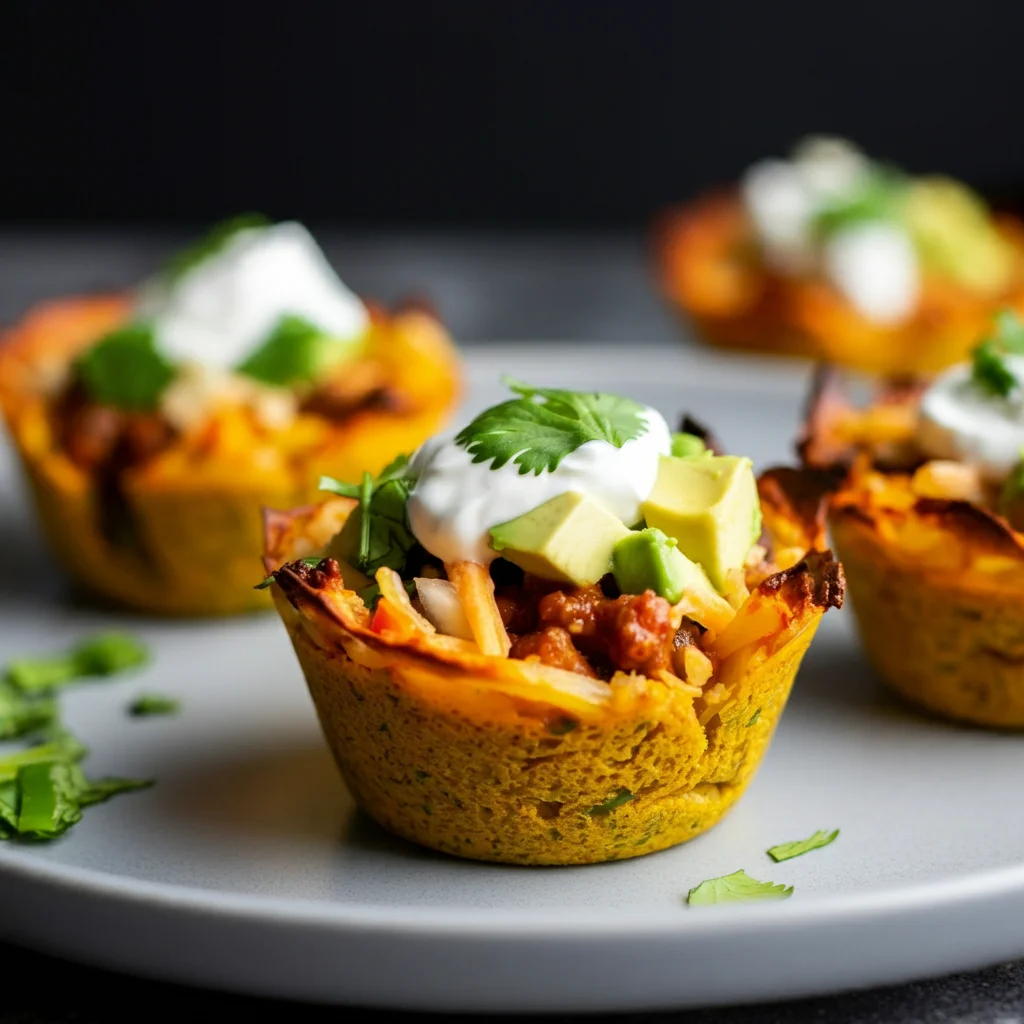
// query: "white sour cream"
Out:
[455,501]
[956,420]
[875,266]
[219,311]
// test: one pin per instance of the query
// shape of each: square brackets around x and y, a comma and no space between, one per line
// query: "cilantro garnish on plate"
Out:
[738,887]
[153,704]
[102,655]
[989,370]
[797,848]
[543,425]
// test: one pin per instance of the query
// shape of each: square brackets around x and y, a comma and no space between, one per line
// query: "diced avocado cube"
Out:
[568,539]
[711,507]
[297,352]
[686,446]
[649,560]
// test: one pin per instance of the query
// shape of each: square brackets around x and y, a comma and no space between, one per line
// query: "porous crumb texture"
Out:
[946,645]
[471,771]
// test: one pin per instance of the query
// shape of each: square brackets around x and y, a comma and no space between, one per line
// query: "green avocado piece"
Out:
[568,539]
[297,352]
[649,560]
[686,446]
[711,507]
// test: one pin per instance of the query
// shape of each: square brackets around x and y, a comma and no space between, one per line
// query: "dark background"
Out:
[410,112]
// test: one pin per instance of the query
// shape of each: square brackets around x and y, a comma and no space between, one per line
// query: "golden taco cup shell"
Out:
[194,509]
[709,269]
[513,761]
[938,593]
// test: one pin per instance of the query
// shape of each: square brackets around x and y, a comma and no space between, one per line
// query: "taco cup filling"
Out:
[570,557]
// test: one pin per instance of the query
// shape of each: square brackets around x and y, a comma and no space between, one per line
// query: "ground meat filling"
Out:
[585,631]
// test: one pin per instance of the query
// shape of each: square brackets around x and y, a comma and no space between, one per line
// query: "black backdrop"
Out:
[478,113]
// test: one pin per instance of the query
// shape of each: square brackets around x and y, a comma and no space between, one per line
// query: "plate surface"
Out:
[246,867]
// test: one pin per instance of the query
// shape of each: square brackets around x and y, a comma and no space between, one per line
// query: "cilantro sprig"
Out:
[297,351]
[543,425]
[738,887]
[104,654]
[798,847]
[384,535]
[989,370]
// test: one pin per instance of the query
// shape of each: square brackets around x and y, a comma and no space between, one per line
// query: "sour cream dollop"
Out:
[455,501]
[872,264]
[957,420]
[223,308]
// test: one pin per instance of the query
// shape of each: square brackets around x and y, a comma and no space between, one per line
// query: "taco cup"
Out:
[154,425]
[502,714]
[834,257]
[931,544]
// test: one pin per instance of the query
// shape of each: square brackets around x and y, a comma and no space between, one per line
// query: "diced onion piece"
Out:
[475,589]
[393,591]
[442,606]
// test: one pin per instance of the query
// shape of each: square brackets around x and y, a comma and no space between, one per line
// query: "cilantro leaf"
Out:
[48,797]
[541,427]
[95,791]
[787,851]
[738,887]
[20,714]
[153,704]
[125,369]
[102,655]
[212,242]
[296,352]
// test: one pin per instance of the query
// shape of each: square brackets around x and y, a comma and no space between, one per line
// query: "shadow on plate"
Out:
[290,794]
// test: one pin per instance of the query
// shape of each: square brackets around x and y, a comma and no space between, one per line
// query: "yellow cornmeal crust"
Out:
[512,761]
[195,507]
[937,588]
[708,267]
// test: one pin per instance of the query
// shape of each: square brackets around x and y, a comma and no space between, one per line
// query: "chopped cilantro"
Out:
[125,369]
[48,803]
[212,242]
[754,718]
[385,537]
[787,851]
[563,725]
[20,714]
[95,791]
[153,704]
[738,887]
[543,425]
[296,352]
[623,796]
[101,655]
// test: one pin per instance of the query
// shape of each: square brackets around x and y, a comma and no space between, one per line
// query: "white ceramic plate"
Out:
[247,868]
